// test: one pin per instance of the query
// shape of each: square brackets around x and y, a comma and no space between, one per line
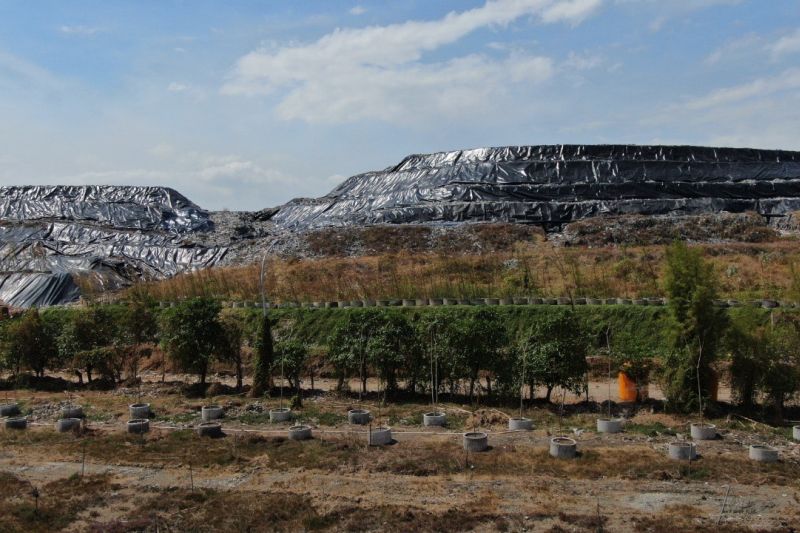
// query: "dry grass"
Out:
[60,502]
[527,268]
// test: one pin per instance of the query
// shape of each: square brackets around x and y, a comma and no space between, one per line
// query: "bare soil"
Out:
[255,479]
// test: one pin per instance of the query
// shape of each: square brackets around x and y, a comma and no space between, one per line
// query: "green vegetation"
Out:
[459,350]
[696,329]
[264,354]
[554,353]
[192,335]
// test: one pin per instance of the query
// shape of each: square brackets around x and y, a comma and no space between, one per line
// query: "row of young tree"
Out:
[469,351]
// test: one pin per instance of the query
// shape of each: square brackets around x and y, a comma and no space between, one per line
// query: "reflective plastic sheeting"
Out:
[109,235]
[556,184]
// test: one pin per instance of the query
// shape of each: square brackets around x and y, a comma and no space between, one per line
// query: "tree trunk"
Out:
[89,373]
[471,388]
[549,392]
[203,376]
[239,374]
[488,386]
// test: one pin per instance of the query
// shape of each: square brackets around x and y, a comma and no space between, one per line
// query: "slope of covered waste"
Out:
[54,237]
[556,184]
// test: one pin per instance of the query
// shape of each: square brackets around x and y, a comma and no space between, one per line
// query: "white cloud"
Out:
[669,9]
[19,71]
[85,31]
[175,87]
[358,10]
[785,81]
[745,45]
[585,61]
[572,11]
[788,44]
[376,72]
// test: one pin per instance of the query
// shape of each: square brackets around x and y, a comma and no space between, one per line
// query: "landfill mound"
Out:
[58,243]
[55,238]
[556,184]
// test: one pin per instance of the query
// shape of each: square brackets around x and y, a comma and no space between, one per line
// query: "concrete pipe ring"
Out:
[67,424]
[434,419]
[476,441]
[563,448]
[300,432]
[436,302]
[360,417]
[609,425]
[703,431]
[139,410]
[520,424]
[356,303]
[16,423]
[138,426]
[763,453]
[209,429]
[409,303]
[281,414]
[380,436]
[520,301]
[682,451]
[796,433]
[72,411]
[211,412]
[9,409]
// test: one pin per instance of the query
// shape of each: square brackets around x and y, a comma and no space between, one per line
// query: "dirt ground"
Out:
[255,479]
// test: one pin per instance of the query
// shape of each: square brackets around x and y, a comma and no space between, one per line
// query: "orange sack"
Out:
[627,388]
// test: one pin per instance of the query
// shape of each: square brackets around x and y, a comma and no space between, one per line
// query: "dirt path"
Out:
[536,497]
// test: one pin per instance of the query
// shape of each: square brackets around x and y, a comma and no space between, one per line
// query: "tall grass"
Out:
[526,269]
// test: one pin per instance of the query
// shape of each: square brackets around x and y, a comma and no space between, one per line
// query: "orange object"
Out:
[627,388]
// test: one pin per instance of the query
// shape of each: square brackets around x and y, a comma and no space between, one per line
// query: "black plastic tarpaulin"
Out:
[554,184]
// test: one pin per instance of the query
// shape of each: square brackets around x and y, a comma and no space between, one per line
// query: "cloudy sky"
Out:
[245,104]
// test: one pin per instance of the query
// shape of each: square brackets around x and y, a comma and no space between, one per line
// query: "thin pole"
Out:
[699,390]
[522,385]
[722,511]
[433,384]
[608,344]
[264,305]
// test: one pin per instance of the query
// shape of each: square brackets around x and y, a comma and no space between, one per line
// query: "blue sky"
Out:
[246,104]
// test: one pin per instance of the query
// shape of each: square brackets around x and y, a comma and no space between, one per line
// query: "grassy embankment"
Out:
[526,268]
